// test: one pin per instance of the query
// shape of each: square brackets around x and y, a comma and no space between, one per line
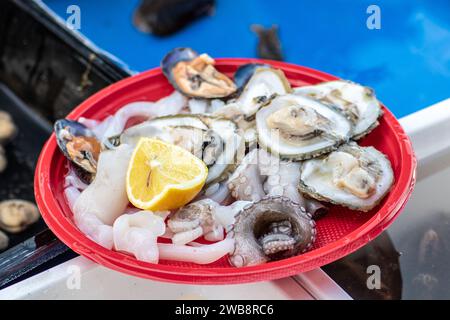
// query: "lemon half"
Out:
[162,176]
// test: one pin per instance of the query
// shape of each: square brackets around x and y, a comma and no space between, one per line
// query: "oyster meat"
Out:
[271,229]
[357,102]
[352,176]
[298,128]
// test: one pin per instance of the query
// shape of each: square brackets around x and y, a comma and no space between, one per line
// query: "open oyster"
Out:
[357,102]
[297,127]
[232,144]
[195,76]
[263,85]
[271,229]
[245,72]
[186,131]
[352,176]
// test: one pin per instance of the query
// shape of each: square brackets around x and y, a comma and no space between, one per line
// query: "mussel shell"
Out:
[194,89]
[165,17]
[172,58]
[252,222]
[63,127]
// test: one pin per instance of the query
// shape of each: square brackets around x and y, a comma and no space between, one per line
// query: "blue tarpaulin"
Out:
[407,61]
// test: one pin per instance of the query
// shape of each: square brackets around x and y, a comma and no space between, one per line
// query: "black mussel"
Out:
[164,17]
[195,75]
[269,46]
[79,145]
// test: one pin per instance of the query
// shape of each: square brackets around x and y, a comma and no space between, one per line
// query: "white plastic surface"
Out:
[80,278]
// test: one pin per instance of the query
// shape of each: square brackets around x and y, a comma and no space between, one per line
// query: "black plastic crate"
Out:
[45,71]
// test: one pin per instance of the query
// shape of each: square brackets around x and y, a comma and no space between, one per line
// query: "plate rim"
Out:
[68,233]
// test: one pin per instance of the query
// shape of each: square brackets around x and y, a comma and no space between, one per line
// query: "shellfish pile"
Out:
[15,214]
[275,155]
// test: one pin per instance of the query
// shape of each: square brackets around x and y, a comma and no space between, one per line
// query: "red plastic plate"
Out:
[339,233]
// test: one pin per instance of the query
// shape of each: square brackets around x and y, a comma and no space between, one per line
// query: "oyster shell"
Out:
[232,146]
[357,102]
[17,215]
[245,72]
[271,229]
[352,176]
[298,128]
[186,131]
[211,139]
[263,85]
[195,76]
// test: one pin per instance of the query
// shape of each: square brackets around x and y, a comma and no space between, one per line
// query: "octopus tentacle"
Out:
[204,217]
[271,229]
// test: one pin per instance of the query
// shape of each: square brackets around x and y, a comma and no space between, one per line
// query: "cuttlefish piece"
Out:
[271,229]
[106,197]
